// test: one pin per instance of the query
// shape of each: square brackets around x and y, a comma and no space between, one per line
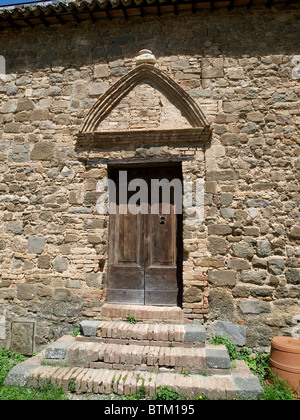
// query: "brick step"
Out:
[209,360]
[108,381]
[147,334]
[240,383]
[117,312]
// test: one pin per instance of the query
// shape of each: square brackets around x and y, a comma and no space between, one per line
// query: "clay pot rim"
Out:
[289,344]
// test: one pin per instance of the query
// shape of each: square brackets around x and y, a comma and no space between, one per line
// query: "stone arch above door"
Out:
[196,127]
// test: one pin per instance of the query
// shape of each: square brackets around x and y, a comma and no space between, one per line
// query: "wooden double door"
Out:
[145,245]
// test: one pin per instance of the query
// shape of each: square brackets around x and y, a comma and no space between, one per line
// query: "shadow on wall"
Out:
[2,65]
[256,32]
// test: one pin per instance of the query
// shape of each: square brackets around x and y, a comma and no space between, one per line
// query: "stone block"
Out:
[235,332]
[192,295]
[101,70]
[22,337]
[235,74]
[236,106]
[15,227]
[263,248]
[25,291]
[20,374]
[194,333]
[89,328]
[212,72]
[217,245]
[12,90]
[293,276]
[254,307]
[295,232]
[62,295]
[258,202]
[226,199]
[276,265]
[201,93]
[247,387]
[96,89]
[210,262]
[80,210]
[217,357]
[222,278]
[233,139]
[44,262]
[25,105]
[219,230]
[36,244]
[238,264]
[60,264]
[9,107]
[58,350]
[227,213]
[243,250]
[254,276]
[42,151]
[13,128]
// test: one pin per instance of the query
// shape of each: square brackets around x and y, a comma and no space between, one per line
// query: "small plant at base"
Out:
[131,319]
[76,332]
[166,393]
[72,385]
[278,390]
[185,373]
[258,363]
[140,394]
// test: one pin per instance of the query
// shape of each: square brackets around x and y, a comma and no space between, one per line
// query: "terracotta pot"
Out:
[285,360]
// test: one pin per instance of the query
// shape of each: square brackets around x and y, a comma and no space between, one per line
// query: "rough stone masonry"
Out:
[242,264]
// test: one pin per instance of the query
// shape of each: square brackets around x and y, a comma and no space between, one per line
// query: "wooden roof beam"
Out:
[12,23]
[124,11]
[158,8]
[59,19]
[44,21]
[231,5]
[176,9]
[76,18]
[194,6]
[27,21]
[108,14]
[91,14]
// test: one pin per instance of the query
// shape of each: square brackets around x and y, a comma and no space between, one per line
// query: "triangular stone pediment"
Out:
[144,108]
[167,99]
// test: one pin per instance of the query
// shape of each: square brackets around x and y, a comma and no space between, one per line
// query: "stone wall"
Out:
[241,67]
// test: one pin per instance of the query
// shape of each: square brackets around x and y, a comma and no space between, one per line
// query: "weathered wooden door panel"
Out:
[126,282]
[143,257]
[161,257]
[126,296]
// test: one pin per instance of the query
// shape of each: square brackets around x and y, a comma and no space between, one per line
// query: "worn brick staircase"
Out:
[113,355]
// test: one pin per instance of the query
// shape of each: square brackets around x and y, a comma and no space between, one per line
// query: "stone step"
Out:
[240,384]
[120,332]
[153,314]
[209,360]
